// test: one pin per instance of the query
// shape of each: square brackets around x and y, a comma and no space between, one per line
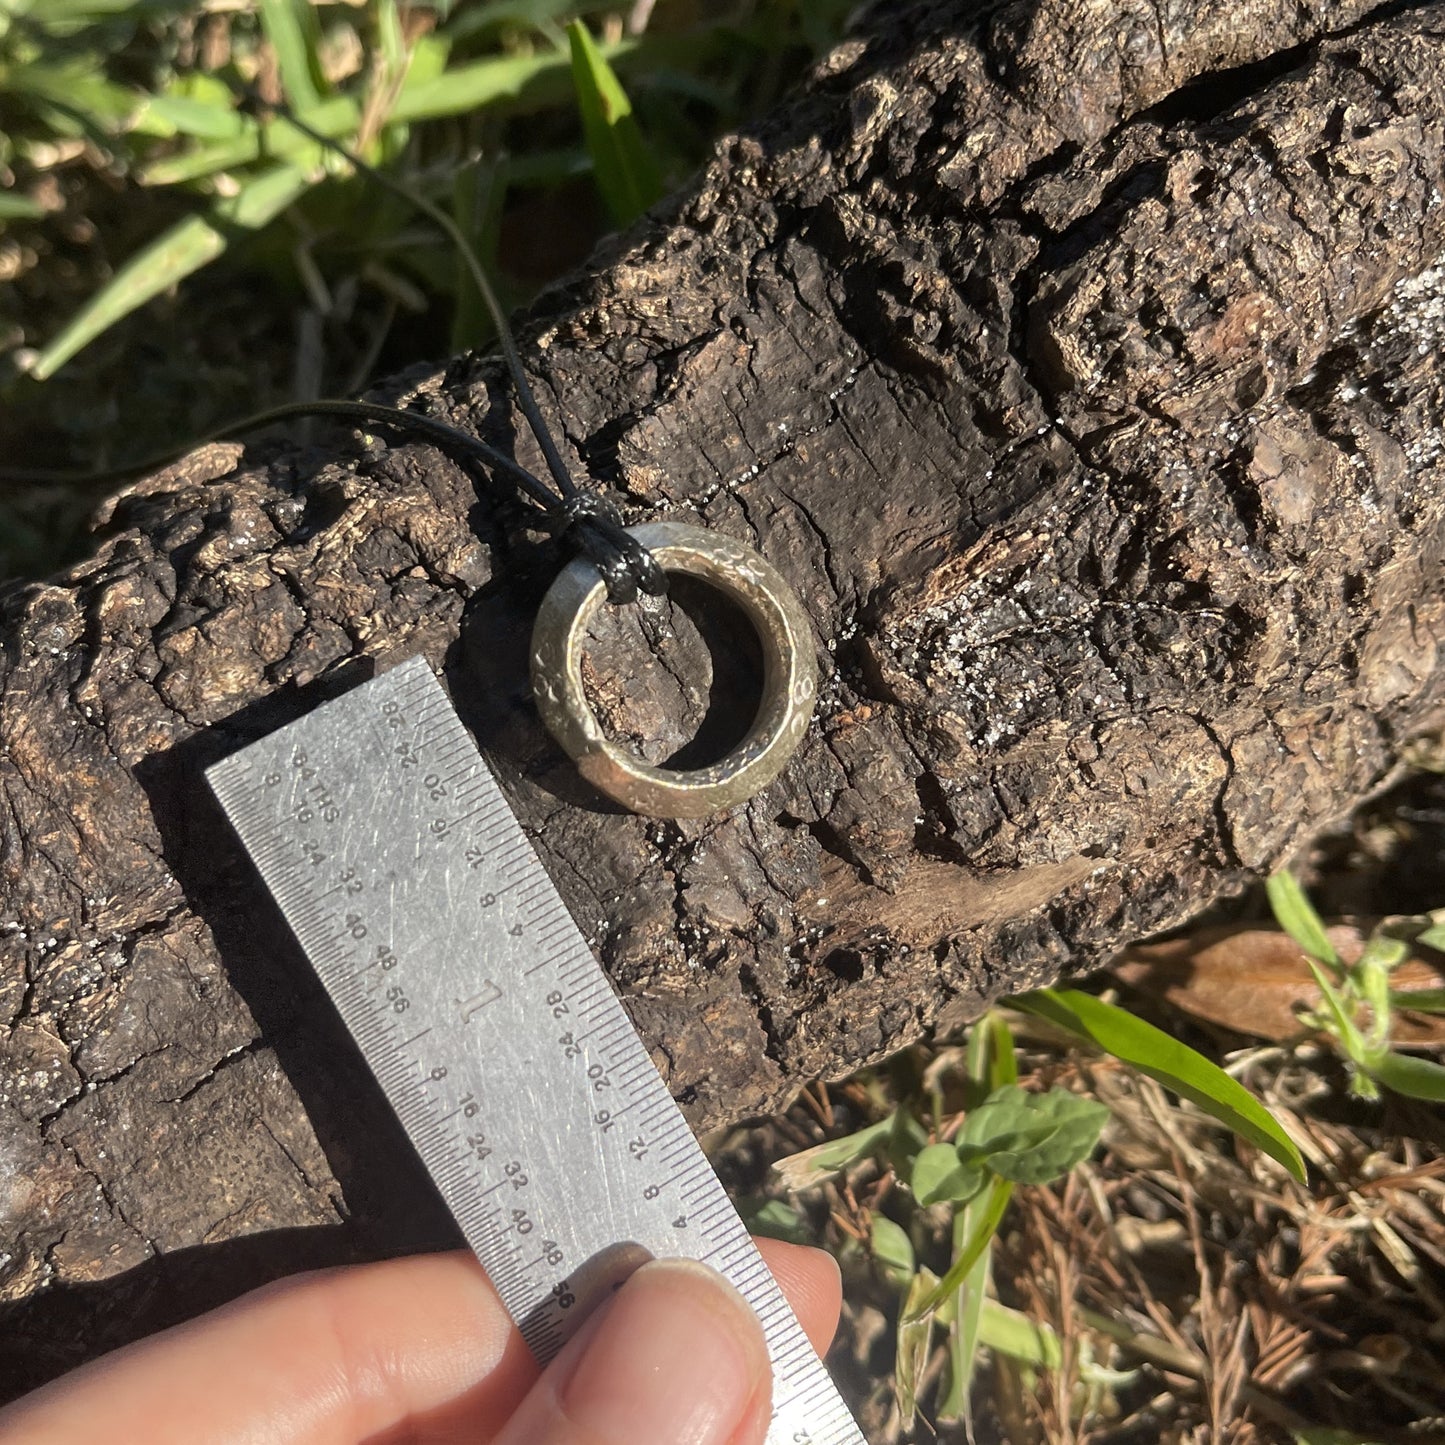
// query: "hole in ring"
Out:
[676,681]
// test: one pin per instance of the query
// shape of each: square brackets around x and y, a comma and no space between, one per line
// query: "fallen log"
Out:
[1078,364]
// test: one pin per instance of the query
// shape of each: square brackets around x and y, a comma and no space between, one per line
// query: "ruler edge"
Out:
[416,673]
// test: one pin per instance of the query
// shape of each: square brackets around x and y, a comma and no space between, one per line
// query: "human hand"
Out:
[422,1351]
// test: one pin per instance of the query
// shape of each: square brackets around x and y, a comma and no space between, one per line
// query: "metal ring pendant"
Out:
[789,677]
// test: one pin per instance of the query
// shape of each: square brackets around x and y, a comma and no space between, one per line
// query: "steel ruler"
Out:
[493,1030]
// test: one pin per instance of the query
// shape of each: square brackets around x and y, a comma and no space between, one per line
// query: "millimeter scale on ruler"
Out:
[490,1025]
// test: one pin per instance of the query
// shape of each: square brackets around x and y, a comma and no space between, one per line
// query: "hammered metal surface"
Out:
[789,691]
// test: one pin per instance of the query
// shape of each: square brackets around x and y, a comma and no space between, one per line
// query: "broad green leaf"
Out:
[915,1343]
[1325,1435]
[811,1167]
[939,1174]
[1032,1138]
[779,1220]
[625,167]
[1296,915]
[1171,1063]
[1016,1335]
[186,247]
[984,1221]
[893,1249]
[290,27]
[1415,1078]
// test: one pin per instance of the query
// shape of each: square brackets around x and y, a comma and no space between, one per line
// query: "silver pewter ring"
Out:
[789,679]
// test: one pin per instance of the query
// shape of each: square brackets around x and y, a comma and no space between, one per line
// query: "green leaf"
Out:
[984,1224]
[1171,1063]
[1324,1435]
[625,168]
[1433,937]
[72,97]
[17,207]
[1405,1074]
[991,1058]
[1340,1022]
[1296,915]
[893,1249]
[276,139]
[1016,1335]
[184,248]
[779,1220]
[968,1319]
[168,115]
[811,1167]
[290,27]
[465,88]
[1032,1138]
[939,1174]
[424,95]
[1003,1061]
[1422,1000]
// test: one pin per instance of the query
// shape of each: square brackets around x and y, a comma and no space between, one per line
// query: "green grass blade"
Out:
[625,167]
[499,80]
[1173,1064]
[15,207]
[1350,1039]
[1405,1074]
[1421,1000]
[276,140]
[984,1219]
[211,120]
[184,248]
[390,38]
[1296,915]
[1003,1064]
[507,78]
[964,1340]
[290,27]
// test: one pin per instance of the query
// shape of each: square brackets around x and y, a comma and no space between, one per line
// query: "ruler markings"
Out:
[351,786]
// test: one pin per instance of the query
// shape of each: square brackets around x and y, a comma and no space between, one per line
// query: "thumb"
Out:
[675,1357]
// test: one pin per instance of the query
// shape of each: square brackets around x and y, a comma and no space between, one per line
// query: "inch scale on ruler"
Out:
[491,1027]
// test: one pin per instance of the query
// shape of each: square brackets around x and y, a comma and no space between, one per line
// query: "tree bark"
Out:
[1078,362]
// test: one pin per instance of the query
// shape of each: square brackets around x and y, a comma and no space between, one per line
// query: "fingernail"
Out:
[679,1358]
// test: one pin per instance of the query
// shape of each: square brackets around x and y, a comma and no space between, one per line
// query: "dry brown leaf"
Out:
[1255,980]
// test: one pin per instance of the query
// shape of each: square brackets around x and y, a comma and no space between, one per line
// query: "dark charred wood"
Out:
[1079,364]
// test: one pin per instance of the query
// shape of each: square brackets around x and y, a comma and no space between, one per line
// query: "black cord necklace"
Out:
[616,561]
